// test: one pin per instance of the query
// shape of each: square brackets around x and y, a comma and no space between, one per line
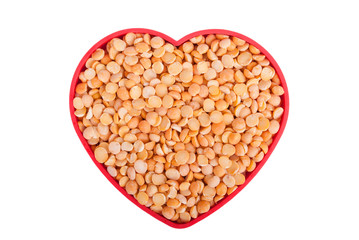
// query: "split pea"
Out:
[179,127]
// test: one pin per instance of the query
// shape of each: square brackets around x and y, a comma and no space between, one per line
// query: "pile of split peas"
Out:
[178,127]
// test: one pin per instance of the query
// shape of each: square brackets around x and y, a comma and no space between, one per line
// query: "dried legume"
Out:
[179,127]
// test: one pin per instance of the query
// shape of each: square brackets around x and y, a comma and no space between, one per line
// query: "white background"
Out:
[50,189]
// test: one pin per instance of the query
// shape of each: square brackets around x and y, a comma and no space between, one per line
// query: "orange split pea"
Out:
[179,127]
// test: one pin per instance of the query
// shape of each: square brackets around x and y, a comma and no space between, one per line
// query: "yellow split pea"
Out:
[179,127]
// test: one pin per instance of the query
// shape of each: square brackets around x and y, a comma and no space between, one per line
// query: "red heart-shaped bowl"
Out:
[249,176]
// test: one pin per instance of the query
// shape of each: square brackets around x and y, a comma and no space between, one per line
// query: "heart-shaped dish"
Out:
[249,176]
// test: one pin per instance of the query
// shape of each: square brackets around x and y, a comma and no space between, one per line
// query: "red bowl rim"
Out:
[249,177]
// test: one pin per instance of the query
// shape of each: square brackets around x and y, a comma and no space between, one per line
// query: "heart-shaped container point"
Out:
[249,176]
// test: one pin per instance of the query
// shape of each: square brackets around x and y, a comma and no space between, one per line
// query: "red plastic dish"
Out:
[249,176]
